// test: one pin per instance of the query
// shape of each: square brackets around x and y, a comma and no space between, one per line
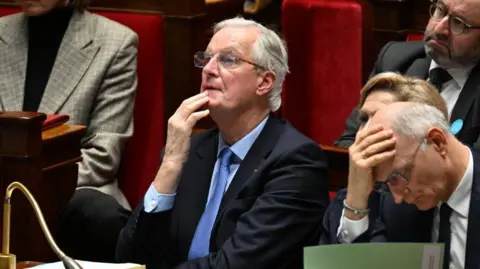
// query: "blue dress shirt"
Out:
[158,202]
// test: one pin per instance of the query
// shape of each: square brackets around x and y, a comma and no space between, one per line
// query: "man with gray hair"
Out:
[250,193]
[409,148]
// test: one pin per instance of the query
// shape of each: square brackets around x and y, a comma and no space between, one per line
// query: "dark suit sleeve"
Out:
[144,239]
[376,231]
[351,124]
[286,215]
[331,219]
[134,242]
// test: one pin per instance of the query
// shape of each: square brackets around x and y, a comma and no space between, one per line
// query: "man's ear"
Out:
[438,139]
[265,83]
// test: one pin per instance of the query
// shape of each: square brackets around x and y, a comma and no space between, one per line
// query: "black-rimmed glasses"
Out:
[457,25]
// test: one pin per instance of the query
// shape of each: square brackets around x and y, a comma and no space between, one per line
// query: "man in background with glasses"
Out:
[448,58]
[433,179]
[251,193]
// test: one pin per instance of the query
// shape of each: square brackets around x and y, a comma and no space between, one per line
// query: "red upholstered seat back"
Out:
[141,159]
[4,11]
[324,40]
[413,37]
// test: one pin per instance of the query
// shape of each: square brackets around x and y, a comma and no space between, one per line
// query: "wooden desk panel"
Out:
[24,265]
[46,163]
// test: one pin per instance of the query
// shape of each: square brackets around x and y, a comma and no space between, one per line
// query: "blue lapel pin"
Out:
[457,125]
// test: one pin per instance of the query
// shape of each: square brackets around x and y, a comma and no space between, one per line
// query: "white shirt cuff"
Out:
[349,230]
[157,202]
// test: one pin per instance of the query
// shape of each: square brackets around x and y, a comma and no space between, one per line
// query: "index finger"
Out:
[187,108]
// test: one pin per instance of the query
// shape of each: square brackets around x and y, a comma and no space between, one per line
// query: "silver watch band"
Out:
[356,211]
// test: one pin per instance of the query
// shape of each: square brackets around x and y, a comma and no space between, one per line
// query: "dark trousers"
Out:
[90,226]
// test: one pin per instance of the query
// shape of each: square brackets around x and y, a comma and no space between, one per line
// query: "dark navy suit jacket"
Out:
[273,207]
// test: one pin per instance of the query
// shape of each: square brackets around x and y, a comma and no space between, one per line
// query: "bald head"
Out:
[410,119]
[427,156]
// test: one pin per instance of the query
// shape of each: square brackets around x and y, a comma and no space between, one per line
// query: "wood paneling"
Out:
[185,34]
[338,160]
[46,163]
[6,3]
[393,20]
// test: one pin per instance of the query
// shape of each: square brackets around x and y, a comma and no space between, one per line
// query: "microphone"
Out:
[8,260]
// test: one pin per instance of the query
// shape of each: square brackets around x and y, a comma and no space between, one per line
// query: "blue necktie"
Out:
[201,240]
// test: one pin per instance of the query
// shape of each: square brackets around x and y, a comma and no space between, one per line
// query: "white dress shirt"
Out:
[459,201]
[451,89]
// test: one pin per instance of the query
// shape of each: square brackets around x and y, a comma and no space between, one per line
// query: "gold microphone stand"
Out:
[8,260]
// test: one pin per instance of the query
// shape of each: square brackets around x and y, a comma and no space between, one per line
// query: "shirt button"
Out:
[153,203]
[345,233]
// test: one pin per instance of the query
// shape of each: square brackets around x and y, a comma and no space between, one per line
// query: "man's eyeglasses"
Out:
[399,180]
[225,59]
[438,11]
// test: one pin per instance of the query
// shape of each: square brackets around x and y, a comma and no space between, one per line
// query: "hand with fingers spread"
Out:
[180,126]
[372,146]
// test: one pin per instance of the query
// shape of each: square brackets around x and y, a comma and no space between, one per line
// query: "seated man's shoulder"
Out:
[293,141]
[397,56]
[414,45]
[289,140]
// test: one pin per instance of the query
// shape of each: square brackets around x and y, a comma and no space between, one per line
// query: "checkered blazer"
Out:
[93,80]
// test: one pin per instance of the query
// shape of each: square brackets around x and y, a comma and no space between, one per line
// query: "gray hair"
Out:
[269,51]
[415,120]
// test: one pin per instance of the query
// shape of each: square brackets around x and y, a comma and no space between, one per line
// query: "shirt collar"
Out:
[459,201]
[459,75]
[241,147]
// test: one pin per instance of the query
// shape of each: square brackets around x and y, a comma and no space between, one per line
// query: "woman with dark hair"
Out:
[58,58]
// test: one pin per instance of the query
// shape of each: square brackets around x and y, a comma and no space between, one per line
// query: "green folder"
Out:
[375,256]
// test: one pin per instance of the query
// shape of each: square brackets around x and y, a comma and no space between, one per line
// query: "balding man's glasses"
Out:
[399,180]
[225,59]
[438,11]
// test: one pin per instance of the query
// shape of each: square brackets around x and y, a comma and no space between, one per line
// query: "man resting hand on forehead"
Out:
[430,191]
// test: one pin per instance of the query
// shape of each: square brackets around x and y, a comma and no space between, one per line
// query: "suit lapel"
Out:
[254,159]
[473,233]
[194,185]
[466,97]
[13,59]
[419,68]
[73,59]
